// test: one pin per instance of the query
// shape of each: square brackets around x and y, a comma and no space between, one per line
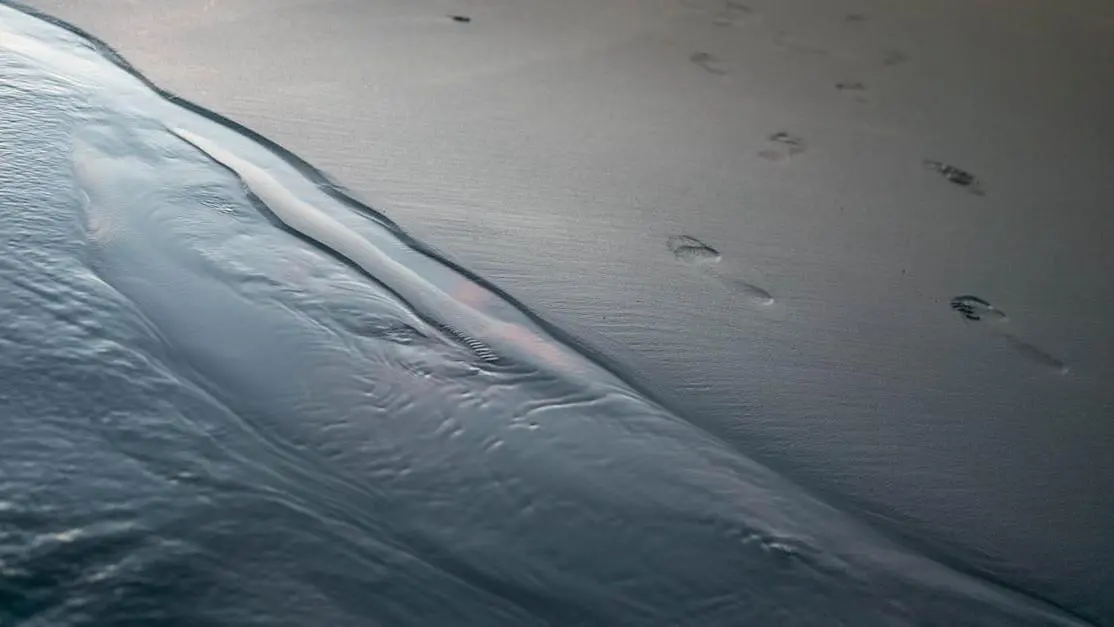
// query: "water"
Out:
[232,396]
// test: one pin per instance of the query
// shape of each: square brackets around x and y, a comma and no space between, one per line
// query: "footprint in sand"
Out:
[694,252]
[975,309]
[732,13]
[856,88]
[722,12]
[957,176]
[783,147]
[709,63]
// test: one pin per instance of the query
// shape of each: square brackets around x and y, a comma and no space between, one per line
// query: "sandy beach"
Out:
[865,243]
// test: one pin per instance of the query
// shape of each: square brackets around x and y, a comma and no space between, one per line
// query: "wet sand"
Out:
[841,174]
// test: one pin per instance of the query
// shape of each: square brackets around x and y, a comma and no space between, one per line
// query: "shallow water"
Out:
[232,395]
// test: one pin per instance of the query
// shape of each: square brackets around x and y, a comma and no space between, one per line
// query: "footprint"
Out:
[694,252]
[784,146]
[857,17]
[1035,354]
[975,309]
[691,250]
[750,291]
[732,13]
[854,87]
[722,12]
[708,63]
[959,177]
